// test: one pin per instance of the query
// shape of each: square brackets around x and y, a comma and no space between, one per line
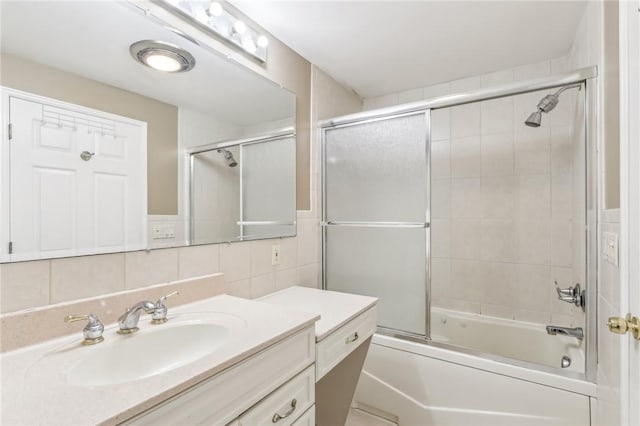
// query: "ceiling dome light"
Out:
[162,56]
[215,9]
[240,27]
[263,41]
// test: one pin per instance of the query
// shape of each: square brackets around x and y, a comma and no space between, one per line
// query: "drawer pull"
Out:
[277,416]
[352,338]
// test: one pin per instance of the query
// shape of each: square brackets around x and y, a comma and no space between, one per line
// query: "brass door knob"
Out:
[622,325]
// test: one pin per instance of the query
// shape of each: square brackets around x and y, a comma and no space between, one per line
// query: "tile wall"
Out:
[502,204]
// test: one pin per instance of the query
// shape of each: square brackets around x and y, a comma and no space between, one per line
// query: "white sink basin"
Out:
[147,353]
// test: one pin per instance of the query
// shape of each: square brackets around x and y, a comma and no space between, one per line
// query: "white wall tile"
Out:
[498,197]
[466,237]
[464,284]
[465,120]
[308,275]
[411,96]
[437,90]
[497,240]
[465,157]
[86,276]
[561,148]
[440,278]
[498,283]
[562,195]
[288,252]
[539,317]
[235,261]
[196,261]
[24,285]
[533,197]
[286,278]
[440,160]
[261,257]
[308,241]
[532,242]
[528,72]
[440,238]
[241,288]
[561,252]
[532,151]
[440,124]
[532,288]
[466,198]
[497,116]
[497,311]
[262,285]
[466,84]
[497,154]
[497,78]
[440,199]
[145,268]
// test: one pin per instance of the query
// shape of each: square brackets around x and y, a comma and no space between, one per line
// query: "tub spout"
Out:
[577,332]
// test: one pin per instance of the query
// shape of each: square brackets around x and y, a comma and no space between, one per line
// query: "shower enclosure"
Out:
[461,219]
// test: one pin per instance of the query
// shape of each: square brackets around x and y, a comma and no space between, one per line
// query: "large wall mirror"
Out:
[102,153]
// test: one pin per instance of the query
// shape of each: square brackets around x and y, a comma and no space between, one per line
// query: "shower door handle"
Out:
[377,224]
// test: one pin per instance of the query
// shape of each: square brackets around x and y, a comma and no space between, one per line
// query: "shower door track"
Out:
[581,75]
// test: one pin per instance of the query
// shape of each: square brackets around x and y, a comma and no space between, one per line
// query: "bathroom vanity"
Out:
[222,360]
[342,334]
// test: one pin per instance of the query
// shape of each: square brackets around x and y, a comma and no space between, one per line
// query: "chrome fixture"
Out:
[159,315]
[162,56]
[92,331]
[128,322]
[572,295]
[565,362]
[228,155]
[545,105]
[576,332]
[218,19]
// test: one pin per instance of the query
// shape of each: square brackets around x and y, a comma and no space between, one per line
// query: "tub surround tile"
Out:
[465,120]
[440,159]
[497,240]
[496,116]
[413,95]
[466,197]
[440,238]
[497,154]
[464,284]
[145,268]
[561,148]
[531,290]
[24,328]
[440,199]
[437,90]
[532,71]
[466,239]
[440,124]
[497,311]
[498,283]
[532,242]
[24,285]
[498,197]
[538,317]
[79,277]
[465,157]
[497,78]
[561,195]
[561,243]
[533,197]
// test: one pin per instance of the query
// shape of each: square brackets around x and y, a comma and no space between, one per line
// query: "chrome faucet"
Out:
[128,321]
[577,332]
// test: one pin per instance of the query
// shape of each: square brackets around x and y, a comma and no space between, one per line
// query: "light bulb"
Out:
[240,27]
[162,63]
[215,9]
[263,41]
[202,16]
[249,45]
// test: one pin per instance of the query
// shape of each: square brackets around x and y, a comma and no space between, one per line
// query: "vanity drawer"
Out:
[334,348]
[308,418]
[284,405]
[223,397]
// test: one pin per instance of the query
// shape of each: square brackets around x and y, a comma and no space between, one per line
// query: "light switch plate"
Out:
[610,247]
[275,254]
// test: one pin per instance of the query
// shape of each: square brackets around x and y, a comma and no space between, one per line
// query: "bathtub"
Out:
[413,383]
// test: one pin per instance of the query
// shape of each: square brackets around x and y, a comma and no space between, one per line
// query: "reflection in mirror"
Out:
[67,55]
[243,190]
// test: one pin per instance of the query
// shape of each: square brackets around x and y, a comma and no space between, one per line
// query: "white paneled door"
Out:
[77,180]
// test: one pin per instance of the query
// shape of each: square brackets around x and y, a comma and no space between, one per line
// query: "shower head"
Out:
[228,156]
[545,105]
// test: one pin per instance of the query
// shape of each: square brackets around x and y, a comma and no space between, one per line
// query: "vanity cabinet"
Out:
[250,392]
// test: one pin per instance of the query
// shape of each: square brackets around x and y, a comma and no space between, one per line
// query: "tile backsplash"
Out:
[246,265]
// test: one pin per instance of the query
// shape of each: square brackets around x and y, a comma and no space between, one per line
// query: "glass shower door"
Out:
[376,216]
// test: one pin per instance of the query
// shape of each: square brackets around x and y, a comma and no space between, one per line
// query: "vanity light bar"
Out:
[214,18]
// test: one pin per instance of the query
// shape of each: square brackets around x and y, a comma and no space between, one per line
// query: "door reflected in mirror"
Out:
[67,55]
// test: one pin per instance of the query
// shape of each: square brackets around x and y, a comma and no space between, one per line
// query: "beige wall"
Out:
[161,118]
[611,81]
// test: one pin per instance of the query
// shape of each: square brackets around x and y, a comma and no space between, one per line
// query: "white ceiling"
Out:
[381,47]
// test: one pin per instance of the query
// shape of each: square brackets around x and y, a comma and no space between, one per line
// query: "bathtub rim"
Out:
[521,370]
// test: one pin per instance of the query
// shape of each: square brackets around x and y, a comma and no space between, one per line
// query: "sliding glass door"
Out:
[376,216]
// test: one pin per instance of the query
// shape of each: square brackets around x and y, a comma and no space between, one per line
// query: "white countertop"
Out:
[35,389]
[335,308]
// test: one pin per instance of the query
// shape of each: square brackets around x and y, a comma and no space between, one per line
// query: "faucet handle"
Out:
[92,331]
[159,315]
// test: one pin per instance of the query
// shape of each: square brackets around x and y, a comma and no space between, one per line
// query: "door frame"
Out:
[629,39]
